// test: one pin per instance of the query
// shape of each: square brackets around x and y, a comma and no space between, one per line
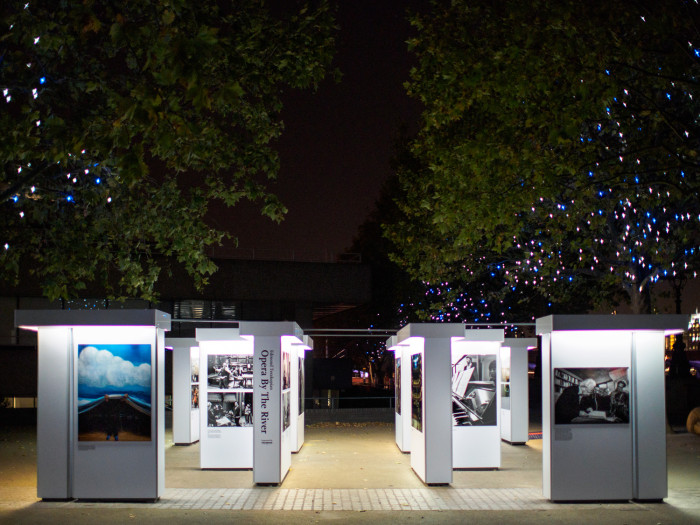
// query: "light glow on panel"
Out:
[293,345]
[414,344]
[673,332]
[460,346]
[241,345]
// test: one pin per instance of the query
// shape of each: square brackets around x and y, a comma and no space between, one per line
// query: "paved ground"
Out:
[346,473]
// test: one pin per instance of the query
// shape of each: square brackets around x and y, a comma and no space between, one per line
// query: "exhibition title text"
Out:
[265,385]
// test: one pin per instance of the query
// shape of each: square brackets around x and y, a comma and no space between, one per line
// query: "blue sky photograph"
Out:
[114,369]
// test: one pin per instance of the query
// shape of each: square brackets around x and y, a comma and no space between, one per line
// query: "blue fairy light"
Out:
[42,80]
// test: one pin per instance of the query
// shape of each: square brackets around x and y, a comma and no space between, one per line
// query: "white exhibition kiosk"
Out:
[514,389]
[100,412]
[185,389]
[476,407]
[402,393]
[603,406]
[447,392]
[426,361]
[250,379]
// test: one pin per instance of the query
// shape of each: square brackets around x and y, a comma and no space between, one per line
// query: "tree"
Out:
[123,121]
[560,142]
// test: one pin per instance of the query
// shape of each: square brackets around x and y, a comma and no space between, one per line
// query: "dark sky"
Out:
[337,143]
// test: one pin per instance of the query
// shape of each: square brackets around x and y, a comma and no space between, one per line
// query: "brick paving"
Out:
[397,499]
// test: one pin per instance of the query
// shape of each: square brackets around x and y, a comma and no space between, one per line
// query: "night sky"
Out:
[337,143]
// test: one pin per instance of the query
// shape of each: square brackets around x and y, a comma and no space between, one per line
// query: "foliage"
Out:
[123,121]
[560,145]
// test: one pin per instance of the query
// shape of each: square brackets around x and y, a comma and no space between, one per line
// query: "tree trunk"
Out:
[637,299]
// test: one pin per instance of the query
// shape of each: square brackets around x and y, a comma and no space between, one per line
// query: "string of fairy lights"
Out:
[629,220]
[632,231]
[60,182]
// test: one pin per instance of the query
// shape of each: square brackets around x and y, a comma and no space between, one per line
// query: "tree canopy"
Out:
[559,148]
[123,121]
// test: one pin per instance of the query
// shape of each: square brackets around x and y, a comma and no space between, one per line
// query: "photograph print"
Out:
[230,371]
[194,367]
[230,409]
[417,391]
[286,411]
[286,371]
[474,401]
[397,386]
[505,382]
[302,386]
[114,392]
[195,396]
[591,395]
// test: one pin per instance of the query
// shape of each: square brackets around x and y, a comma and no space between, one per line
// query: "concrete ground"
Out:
[350,463]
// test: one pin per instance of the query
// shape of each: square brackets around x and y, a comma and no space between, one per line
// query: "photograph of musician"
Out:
[474,401]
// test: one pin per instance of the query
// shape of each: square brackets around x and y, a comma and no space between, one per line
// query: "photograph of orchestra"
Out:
[591,395]
[230,372]
[230,409]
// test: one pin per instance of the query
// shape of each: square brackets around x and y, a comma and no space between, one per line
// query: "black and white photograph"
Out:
[417,391]
[505,370]
[505,382]
[397,386]
[286,411]
[194,367]
[591,395]
[505,396]
[230,371]
[233,409]
[286,371]
[195,396]
[301,386]
[474,401]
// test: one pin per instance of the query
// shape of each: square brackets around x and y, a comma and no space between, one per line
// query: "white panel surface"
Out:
[123,469]
[54,413]
[476,445]
[301,401]
[418,459]
[160,411]
[402,419]
[222,447]
[651,479]
[547,415]
[267,415]
[289,403]
[515,408]
[195,410]
[590,461]
[437,406]
[185,420]
[417,437]
[402,399]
